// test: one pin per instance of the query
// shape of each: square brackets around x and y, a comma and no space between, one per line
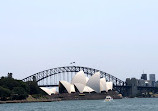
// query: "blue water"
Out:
[134,104]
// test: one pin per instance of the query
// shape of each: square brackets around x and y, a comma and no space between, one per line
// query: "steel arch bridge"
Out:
[62,73]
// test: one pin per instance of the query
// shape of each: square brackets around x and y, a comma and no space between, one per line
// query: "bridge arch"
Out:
[88,71]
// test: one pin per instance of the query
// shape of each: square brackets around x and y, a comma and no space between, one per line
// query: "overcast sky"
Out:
[116,36]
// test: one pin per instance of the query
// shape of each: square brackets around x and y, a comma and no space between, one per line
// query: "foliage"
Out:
[4,93]
[33,88]
[19,93]
[16,89]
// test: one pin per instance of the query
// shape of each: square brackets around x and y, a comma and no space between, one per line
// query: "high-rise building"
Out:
[144,76]
[152,79]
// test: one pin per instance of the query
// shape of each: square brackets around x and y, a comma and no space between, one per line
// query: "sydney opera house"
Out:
[82,84]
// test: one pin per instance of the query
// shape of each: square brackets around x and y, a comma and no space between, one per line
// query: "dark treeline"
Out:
[12,89]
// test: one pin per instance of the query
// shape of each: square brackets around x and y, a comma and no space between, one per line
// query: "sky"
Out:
[119,37]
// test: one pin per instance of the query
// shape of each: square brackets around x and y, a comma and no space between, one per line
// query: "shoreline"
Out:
[53,100]
[26,101]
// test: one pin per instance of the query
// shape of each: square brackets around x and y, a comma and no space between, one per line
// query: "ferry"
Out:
[108,98]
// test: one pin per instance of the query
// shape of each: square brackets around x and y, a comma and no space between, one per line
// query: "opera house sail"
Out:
[66,87]
[49,91]
[82,84]
[94,82]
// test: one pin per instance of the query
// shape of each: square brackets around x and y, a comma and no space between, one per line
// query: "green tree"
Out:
[17,89]
[19,93]
[33,87]
[4,93]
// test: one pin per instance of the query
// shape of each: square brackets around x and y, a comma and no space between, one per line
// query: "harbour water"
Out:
[129,104]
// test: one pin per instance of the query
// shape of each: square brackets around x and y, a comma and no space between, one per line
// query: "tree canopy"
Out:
[13,89]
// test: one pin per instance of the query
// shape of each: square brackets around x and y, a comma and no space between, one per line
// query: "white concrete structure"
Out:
[87,89]
[69,87]
[72,88]
[79,78]
[94,82]
[109,85]
[85,84]
[53,90]
[82,88]
[103,85]
[87,79]
[80,81]
[49,91]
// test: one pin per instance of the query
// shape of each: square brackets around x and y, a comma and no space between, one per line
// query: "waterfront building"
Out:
[49,91]
[144,76]
[82,84]
[156,84]
[66,87]
[128,81]
[152,79]
[141,82]
[148,83]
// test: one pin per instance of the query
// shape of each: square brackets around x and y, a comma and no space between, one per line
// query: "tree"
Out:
[19,93]
[11,88]
[4,93]
[33,87]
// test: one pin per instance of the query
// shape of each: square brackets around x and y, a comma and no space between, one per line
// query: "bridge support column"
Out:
[133,91]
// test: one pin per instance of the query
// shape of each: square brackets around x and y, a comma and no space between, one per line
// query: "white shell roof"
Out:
[87,89]
[53,90]
[46,90]
[80,87]
[87,79]
[79,78]
[109,85]
[72,88]
[103,86]
[69,87]
[85,84]
[94,82]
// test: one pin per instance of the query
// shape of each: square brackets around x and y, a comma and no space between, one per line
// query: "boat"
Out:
[108,98]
